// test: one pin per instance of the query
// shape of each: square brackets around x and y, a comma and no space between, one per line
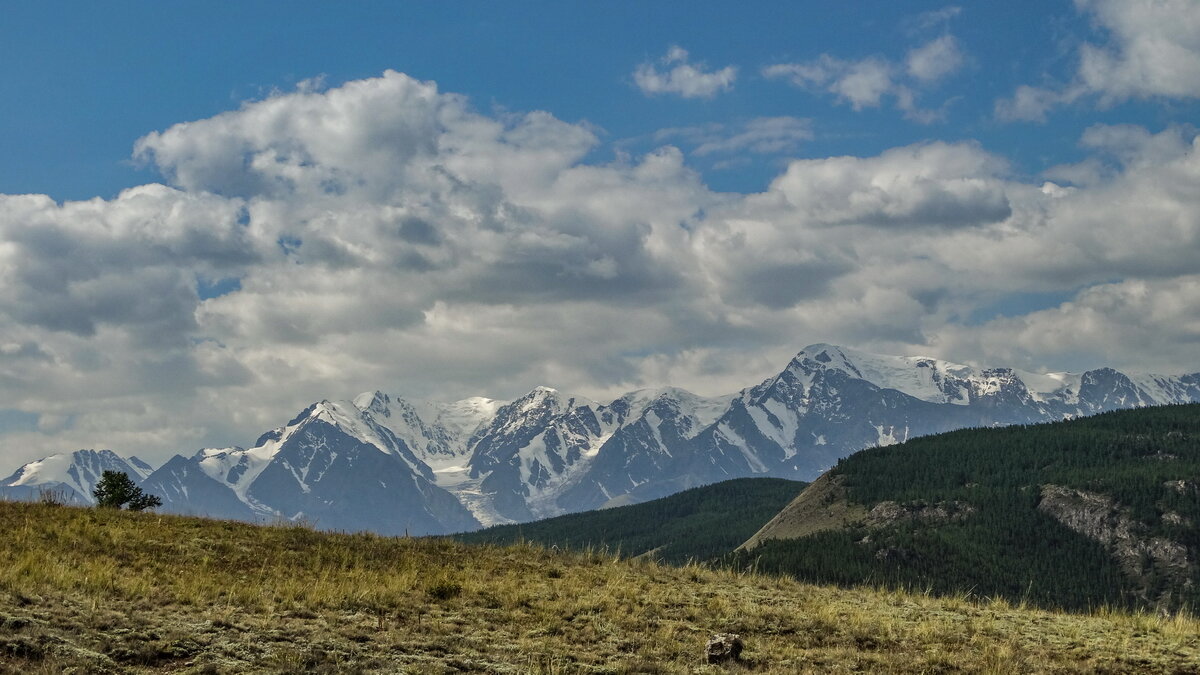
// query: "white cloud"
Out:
[1150,49]
[385,234]
[764,135]
[935,60]
[1136,324]
[866,83]
[761,135]
[1135,147]
[1032,103]
[935,184]
[1154,49]
[1123,148]
[862,84]
[681,77]
[932,19]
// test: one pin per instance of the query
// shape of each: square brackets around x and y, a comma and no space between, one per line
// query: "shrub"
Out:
[52,497]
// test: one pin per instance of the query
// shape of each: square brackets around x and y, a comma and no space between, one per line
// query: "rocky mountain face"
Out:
[386,464]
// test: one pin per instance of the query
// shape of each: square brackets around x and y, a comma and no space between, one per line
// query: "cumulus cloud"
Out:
[866,83]
[934,184]
[679,76]
[131,262]
[1140,324]
[384,234]
[1119,148]
[1154,49]
[1149,49]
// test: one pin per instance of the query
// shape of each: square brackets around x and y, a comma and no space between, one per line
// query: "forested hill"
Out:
[1083,513]
[698,524]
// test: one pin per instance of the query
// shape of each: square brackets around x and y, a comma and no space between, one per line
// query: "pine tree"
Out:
[115,489]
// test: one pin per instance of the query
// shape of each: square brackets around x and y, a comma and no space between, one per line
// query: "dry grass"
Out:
[83,590]
[821,506]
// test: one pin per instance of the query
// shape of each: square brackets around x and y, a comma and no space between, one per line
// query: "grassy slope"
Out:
[1007,546]
[698,524]
[105,591]
[820,507]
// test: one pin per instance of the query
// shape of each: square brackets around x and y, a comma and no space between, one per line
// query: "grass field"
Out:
[92,591]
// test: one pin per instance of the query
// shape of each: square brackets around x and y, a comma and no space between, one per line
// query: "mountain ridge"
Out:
[439,467]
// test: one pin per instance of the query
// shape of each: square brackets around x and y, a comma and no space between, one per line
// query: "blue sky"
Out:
[213,213]
[83,81]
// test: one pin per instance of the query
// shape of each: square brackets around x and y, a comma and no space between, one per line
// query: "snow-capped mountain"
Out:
[831,401]
[548,454]
[437,433]
[531,450]
[334,465]
[71,476]
[646,457]
[470,462]
[391,465]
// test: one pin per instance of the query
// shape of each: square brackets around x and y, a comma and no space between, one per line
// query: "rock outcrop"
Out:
[723,648]
[1142,557]
[887,513]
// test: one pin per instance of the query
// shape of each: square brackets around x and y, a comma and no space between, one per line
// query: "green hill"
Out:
[698,524]
[102,591]
[1077,514]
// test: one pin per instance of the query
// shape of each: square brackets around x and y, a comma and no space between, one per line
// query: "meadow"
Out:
[103,591]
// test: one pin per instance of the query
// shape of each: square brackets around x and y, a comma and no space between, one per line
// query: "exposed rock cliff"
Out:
[888,512]
[1154,563]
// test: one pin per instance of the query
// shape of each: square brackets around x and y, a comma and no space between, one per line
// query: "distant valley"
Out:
[699,525]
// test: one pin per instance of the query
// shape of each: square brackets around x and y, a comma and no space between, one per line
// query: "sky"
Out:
[215,213]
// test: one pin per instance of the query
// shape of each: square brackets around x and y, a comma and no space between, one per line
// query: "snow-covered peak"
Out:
[238,468]
[375,401]
[922,377]
[1158,388]
[704,410]
[927,378]
[542,393]
[940,381]
[546,399]
[205,453]
[436,432]
[462,418]
[79,470]
[643,397]
[141,466]
[533,410]
[1044,386]
[342,414]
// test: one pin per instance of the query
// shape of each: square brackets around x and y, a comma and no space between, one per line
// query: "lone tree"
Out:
[116,489]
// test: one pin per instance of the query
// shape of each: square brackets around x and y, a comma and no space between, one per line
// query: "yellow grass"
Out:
[821,506]
[102,591]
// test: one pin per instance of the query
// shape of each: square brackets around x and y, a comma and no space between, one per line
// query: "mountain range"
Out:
[390,465]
